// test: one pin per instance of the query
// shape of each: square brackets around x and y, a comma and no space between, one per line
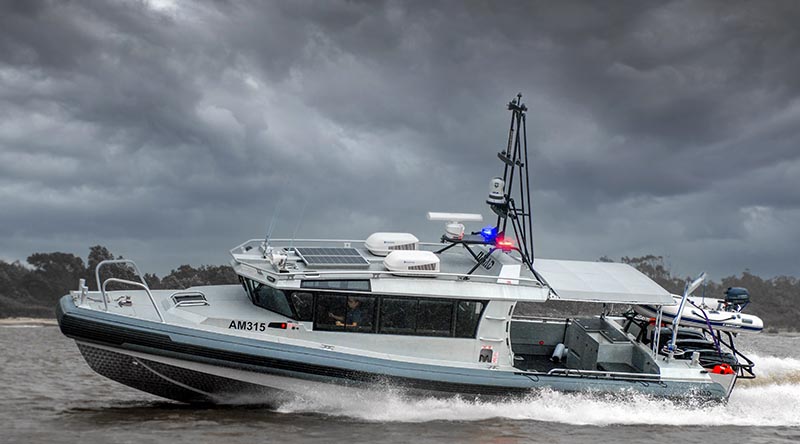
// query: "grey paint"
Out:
[373,365]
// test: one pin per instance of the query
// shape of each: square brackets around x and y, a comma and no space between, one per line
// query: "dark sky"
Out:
[172,133]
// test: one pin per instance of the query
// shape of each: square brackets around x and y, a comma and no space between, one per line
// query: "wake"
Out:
[770,400]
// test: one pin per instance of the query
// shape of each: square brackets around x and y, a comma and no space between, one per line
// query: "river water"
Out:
[49,394]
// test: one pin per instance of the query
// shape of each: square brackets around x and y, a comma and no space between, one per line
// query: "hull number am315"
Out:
[248,325]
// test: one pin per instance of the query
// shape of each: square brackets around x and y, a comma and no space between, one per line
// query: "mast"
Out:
[513,204]
[513,230]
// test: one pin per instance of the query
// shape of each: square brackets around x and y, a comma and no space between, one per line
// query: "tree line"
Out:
[33,289]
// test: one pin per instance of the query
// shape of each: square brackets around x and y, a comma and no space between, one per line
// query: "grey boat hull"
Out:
[194,366]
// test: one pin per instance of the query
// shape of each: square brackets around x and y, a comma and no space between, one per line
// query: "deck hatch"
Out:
[189,299]
[332,257]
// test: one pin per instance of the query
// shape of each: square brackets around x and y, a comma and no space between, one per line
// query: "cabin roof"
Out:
[502,278]
[606,282]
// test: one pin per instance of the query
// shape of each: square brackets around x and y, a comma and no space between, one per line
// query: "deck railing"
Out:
[141,284]
[258,244]
[604,374]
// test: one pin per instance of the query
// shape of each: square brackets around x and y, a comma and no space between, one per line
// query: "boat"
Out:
[723,315]
[424,318]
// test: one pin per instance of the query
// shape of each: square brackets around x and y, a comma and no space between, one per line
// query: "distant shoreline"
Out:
[781,332]
[28,321]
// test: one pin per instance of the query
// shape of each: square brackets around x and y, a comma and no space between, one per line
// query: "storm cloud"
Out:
[172,131]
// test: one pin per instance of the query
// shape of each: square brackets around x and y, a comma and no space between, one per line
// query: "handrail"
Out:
[657,330]
[626,375]
[378,273]
[116,261]
[138,284]
[260,242]
[546,319]
[741,368]
[141,284]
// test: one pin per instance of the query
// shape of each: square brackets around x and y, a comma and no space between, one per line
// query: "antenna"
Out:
[271,227]
[274,222]
[299,221]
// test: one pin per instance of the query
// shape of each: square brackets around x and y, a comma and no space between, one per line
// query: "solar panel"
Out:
[331,257]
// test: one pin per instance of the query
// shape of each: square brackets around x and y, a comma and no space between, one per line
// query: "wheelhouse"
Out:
[350,306]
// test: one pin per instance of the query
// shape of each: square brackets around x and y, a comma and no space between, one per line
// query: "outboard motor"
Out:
[736,298]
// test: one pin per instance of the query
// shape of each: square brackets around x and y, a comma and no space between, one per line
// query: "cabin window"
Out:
[356,312]
[360,313]
[303,303]
[350,285]
[272,299]
[248,287]
[398,315]
[468,316]
[345,312]
[430,317]
[434,317]
[245,286]
[330,308]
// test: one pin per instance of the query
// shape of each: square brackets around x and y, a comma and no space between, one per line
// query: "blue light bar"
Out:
[489,233]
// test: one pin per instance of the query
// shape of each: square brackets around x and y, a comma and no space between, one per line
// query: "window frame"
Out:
[436,333]
[324,285]
[453,316]
[372,314]
[398,331]
[250,286]
[296,312]
[484,303]
[376,314]
[291,315]
[318,326]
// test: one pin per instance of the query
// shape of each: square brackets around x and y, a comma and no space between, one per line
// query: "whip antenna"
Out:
[274,222]
[299,221]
